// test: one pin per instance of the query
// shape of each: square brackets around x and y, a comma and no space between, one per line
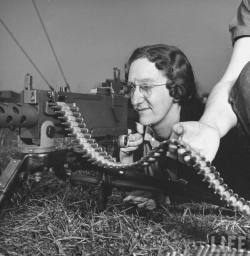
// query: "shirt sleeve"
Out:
[240,25]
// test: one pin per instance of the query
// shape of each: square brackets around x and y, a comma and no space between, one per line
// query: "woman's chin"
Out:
[145,120]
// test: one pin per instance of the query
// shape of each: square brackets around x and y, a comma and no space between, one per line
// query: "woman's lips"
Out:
[142,109]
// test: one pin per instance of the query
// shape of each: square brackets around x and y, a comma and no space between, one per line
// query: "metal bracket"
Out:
[8,175]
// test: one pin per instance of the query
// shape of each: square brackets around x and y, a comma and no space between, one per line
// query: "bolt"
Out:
[50,131]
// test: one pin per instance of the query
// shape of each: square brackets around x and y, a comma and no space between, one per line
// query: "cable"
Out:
[26,55]
[50,44]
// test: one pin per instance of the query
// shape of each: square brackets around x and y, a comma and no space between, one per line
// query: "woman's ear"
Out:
[176,91]
[179,93]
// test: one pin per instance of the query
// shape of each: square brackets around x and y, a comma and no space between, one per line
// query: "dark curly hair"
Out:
[176,67]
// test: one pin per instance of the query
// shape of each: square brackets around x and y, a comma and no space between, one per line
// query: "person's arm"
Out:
[218,118]
[218,112]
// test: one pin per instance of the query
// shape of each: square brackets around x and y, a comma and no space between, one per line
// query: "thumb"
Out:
[177,130]
[129,131]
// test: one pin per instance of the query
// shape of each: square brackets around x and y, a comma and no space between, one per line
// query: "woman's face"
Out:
[152,109]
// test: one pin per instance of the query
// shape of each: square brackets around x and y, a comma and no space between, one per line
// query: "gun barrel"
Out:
[17,115]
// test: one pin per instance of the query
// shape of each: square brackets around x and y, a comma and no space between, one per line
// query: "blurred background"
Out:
[91,37]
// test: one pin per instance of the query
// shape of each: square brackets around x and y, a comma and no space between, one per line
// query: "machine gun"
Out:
[41,117]
[65,131]
[70,133]
[42,139]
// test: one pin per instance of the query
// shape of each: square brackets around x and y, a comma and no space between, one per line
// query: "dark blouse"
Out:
[182,182]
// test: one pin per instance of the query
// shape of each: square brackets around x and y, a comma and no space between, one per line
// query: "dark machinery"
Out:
[42,139]
[56,130]
[88,122]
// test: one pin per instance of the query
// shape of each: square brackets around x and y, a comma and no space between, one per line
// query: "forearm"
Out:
[218,112]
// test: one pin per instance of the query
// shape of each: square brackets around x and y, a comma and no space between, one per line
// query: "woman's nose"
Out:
[136,96]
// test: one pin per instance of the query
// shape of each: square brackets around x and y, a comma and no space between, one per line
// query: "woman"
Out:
[162,88]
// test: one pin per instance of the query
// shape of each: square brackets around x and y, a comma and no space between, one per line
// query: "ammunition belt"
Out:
[212,250]
[89,149]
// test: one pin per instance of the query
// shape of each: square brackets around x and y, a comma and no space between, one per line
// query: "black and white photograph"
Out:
[124,127]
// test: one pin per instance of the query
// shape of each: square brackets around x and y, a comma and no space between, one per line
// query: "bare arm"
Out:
[218,112]
[218,118]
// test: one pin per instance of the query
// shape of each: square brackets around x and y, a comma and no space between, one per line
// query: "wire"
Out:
[50,44]
[26,54]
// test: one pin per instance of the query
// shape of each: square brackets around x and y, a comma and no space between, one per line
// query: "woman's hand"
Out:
[201,137]
[129,144]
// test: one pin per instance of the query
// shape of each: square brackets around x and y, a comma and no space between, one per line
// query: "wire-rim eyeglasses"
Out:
[144,89]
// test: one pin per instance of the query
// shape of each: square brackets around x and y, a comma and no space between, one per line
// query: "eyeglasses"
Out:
[144,89]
